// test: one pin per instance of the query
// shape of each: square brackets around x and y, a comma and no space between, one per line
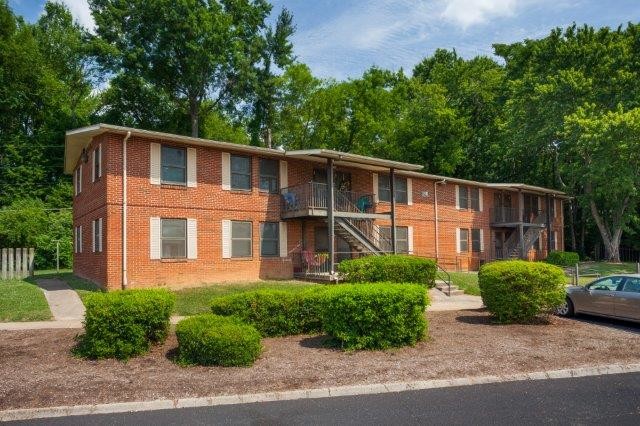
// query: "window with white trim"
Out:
[241,239]
[78,239]
[402,239]
[463,244]
[78,180]
[97,163]
[173,238]
[269,175]
[476,241]
[270,239]
[241,172]
[384,189]
[173,165]
[96,227]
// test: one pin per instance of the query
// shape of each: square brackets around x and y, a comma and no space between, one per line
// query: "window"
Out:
[606,284]
[269,239]
[174,238]
[97,163]
[402,239]
[174,165]
[384,189]
[240,172]
[269,170]
[97,235]
[463,197]
[553,237]
[476,243]
[464,240]
[632,285]
[474,198]
[78,239]
[241,239]
[78,180]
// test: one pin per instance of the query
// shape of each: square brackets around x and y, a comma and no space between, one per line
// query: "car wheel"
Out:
[566,309]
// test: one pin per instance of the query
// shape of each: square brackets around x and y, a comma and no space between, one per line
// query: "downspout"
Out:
[124,211]
[435,208]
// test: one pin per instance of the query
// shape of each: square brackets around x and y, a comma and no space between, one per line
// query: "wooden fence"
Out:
[17,263]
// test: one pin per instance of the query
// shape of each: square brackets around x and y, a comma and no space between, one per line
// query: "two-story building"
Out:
[153,208]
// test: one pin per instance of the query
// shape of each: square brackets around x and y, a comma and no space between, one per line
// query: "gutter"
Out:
[124,211]
[435,207]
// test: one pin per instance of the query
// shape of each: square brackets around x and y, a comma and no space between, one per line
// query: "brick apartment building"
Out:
[193,211]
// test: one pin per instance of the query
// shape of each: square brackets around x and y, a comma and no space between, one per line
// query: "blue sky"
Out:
[342,38]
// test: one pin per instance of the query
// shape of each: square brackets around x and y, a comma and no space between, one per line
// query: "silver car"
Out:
[615,296]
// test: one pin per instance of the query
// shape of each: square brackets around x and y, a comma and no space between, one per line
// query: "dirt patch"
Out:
[36,368]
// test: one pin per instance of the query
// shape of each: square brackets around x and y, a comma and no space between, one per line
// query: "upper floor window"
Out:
[174,238]
[240,172]
[269,170]
[97,163]
[468,198]
[384,189]
[78,179]
[174,165]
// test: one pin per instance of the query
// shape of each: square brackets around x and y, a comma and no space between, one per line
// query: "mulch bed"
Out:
[37,369]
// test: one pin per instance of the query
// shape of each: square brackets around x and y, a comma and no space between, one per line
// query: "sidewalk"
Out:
[64,302]
[442,302]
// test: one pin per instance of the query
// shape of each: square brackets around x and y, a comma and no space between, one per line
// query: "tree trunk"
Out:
[194,112]
[611,241]
[267,137]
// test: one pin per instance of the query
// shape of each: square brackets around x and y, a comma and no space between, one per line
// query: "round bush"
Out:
[209,339]
[517,291]
[375,316]
[398,268]
[563,258]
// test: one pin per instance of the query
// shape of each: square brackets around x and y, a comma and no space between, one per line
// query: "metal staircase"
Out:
[530,237]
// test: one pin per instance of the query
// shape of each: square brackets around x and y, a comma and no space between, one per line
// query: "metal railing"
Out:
[313,195]
[512,215]
[316,265]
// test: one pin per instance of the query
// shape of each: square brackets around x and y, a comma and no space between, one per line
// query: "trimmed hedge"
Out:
[397,268]
[517,291]
[208,339]
[123,324]
[275,312]
[375,316]
[563,258]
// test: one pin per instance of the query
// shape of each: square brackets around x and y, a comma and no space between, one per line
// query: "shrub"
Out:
[519,291]
[123,324]
[208,339]
[274,312]
[563,258]
[375,316]
[394,268]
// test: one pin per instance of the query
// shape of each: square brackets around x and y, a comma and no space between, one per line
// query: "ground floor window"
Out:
[463,241]
[269,239]
[402,239]
[174,238]
[476,241]
[241,237]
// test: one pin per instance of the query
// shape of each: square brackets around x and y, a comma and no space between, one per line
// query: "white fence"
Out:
[17,263]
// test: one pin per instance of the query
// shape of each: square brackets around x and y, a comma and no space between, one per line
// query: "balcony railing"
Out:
[316,265]
[512,215]
[315,196]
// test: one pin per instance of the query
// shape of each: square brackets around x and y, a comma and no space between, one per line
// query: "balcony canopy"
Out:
[352,160]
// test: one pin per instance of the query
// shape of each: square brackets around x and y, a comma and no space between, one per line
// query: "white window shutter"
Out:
[226,239]
[409,192]
[480,199]
[481,240]
[226,171]
[458,205]
[75,182]
[155,162]
[100,230]
[192,168]
[410,238]
[93,165]
[457,237]
[80,239]
[375,188]
[155,244]
[284,251]
[99,160]
[94,230]
[75,239]
[80,180]
[192,239]
[284,174]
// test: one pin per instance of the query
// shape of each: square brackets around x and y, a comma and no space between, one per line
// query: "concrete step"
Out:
[443,286]
[453,292]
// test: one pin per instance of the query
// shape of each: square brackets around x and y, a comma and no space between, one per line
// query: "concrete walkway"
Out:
[442,302]
[64,302]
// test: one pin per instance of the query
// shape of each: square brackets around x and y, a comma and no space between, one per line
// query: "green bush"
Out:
[393,268]
[563,258]
[375,316]
[208,339]
[274,312]
[123,324]
[519,291]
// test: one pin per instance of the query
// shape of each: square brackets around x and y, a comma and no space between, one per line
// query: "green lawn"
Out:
[22,301]
[467,281]
[196,300]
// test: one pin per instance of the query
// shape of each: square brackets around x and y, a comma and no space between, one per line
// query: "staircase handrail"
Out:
[448,280]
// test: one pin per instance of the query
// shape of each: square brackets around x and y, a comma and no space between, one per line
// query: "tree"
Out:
[603,150]
[198,52]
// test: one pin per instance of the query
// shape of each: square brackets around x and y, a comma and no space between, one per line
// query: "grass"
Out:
[22,301]
[80,285]
[466,281]
[191,301]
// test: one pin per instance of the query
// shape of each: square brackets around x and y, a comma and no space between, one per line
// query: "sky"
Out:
[342,38]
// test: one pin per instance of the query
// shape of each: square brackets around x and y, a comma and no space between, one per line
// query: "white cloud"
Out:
[81,13]
[471,12]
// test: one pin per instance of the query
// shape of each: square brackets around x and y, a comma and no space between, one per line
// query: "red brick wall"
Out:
[209,205]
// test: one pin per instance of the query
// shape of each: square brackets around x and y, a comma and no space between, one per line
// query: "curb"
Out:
[379,388]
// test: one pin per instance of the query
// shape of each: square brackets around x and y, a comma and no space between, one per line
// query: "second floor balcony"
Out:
[510,216]
[312,199]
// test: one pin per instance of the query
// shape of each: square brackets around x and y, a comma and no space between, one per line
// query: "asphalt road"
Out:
[612,399]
